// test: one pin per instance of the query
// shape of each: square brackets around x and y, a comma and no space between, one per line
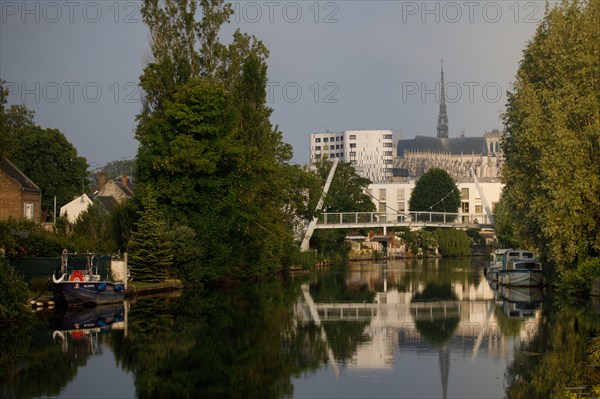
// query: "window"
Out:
[337,139]
[352,145]
[325,147]
[318,148]
[382,194]
[388,144]
[342,154]
[388,153]
[337,147]
[388,161]
[401,207]
[353,137]
[382,207]
[28,210]
[387,136]
[326,139]
[318,140]
[478,208]
[352,153]
[465,207]
[400,194]
[464,193]
[494,204]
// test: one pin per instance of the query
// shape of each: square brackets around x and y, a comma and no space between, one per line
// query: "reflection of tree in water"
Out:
[510,327]
[241,343]
[556,358]
[437,328]
[439,271]
[335,288]
[344,337]
[31,365]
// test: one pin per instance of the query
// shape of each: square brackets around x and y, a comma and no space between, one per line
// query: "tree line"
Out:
[551,201]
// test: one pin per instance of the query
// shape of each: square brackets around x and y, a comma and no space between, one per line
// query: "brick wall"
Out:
[11,197]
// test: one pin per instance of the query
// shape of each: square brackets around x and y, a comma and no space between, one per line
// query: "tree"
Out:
[51,161]
[348,190]
[435,191]
[552,145]
[207,147]
[150,255]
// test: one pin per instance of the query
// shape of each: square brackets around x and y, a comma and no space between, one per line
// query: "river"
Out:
[399,329]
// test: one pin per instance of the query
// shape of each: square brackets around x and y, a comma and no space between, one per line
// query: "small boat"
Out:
[521,269]
[77,282]
[495,264]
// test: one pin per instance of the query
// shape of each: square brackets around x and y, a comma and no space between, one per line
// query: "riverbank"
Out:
[133,290]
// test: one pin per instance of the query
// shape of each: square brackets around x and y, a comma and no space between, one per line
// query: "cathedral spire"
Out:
[442,126]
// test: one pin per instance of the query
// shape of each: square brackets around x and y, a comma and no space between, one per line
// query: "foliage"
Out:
[347,192]
[435,191]
[419,241]
[453,242]
[578,281]
[122,221]
[150,250]
[187,253]
[552,145]
[44,155]
[13,293]
[34,242]
[92,230]
[207,147]
[504,225]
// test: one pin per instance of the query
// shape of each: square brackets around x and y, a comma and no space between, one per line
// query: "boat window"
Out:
[528,255]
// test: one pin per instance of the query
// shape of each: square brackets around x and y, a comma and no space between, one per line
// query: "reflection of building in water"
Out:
[472,321]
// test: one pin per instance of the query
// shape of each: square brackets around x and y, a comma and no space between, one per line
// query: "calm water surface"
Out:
[397,329]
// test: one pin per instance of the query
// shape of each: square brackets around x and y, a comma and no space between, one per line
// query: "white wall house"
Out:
[370,151]
[72,210]
[393,197]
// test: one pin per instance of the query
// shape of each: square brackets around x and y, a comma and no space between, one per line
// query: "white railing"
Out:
[382,218]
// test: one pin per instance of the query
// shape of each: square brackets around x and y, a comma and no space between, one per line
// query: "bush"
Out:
[13,293]
[577,282]
[453,242]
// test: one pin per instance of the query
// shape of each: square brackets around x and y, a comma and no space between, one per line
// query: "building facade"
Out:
[392,198]
[370,151]
[20,198]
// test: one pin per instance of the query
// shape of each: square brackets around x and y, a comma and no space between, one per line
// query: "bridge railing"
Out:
[333,218]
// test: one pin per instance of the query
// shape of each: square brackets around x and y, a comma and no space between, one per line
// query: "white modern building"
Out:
[393,198]
[370,151]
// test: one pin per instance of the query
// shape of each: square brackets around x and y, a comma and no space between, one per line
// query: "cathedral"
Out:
[455,155]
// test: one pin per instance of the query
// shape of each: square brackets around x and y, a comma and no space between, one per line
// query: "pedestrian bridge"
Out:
[367,220]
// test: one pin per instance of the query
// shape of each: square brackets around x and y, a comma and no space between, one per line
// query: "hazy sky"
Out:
[337,65]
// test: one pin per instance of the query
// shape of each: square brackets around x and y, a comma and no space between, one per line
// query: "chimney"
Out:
[101,181]
[124,180]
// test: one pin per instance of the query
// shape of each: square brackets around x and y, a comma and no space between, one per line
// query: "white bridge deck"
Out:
[365,220]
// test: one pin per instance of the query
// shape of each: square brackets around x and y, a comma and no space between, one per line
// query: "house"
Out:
[73,209]
[20,198]
[119,190]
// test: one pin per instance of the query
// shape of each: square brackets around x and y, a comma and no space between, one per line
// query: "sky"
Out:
[333,65]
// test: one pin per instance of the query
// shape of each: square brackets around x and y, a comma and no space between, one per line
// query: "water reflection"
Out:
[426,328]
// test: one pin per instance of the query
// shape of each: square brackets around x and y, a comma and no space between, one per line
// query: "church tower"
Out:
[442,126]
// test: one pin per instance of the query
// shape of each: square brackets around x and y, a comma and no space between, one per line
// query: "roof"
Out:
[454,146]
[11,170]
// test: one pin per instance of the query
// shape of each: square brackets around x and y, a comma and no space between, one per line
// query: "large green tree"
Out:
[207,147]
[435,191]
[44,155]
[552,146]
